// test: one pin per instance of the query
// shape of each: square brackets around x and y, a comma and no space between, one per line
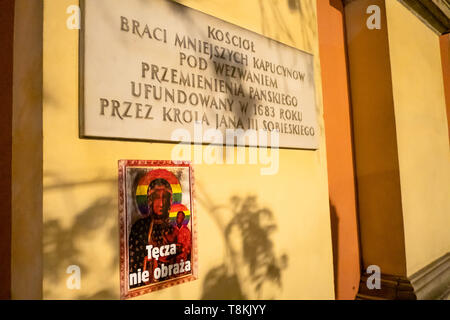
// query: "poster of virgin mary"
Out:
[157,225]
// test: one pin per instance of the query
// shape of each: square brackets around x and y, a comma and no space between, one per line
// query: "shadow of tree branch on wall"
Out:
[62,244]
[270,10]
[250,263]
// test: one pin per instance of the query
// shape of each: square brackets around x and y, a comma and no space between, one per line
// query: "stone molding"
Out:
[392,288]
[433,281]
[430,283]
[434,13]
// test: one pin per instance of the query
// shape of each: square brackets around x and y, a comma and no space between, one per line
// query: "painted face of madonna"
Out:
[158,202]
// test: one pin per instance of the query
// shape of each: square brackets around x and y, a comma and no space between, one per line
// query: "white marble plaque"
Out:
[152,69]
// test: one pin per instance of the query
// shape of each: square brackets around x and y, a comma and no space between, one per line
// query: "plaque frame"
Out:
[81,96]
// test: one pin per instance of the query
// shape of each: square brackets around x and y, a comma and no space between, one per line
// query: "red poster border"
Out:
[125,293]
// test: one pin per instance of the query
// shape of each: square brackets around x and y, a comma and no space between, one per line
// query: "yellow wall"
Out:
[422,136]
[80,176]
